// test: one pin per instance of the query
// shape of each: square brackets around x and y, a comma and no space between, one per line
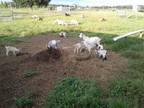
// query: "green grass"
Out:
[120,102]
[73,92]
[133,50]
[126,94]
[23,102]
[113,25]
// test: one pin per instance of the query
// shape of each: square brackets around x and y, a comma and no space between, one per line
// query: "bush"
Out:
[127,92]
[23,102]
[73,92]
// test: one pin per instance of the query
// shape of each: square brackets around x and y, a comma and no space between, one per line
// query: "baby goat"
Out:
[53,44]
[102,54]
[12,49]
[62,34]
[78,47]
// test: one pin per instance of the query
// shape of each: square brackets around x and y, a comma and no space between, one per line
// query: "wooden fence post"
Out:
[11,9]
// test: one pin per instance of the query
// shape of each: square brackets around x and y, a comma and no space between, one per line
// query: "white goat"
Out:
[74,22]
[53,44]
[12,49]
[82,16]
[35,17]
[102,19]
[67,14]
[95,40]
[78,46]
[62,34]
[101,53]
[90,42]
[60,22]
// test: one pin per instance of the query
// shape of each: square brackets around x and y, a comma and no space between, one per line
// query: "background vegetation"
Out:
[25,3]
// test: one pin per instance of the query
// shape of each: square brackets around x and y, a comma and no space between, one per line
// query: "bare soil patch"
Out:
[52,65]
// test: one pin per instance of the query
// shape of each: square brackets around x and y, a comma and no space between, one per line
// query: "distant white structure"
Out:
[138,8]
[63,9]
[121,13]
[135,8]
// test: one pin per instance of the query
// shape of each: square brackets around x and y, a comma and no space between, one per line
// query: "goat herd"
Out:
[59,21]
[87,43]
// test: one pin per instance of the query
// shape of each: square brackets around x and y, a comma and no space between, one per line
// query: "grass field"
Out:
[127,91]
[114,24]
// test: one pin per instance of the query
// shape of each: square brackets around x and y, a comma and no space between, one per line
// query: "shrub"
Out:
[73,92]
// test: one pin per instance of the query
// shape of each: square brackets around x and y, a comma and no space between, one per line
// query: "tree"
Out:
[30,3]
[3,4]
[42,3]
[21,3]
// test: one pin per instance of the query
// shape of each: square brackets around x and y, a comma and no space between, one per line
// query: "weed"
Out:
[30,73]
[22,102]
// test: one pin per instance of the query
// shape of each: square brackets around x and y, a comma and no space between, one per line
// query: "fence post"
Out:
[11,9]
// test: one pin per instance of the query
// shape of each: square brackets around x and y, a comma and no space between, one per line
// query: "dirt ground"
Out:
[52,65]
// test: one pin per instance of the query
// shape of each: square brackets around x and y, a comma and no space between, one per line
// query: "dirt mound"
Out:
[48,55]
[52,65]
